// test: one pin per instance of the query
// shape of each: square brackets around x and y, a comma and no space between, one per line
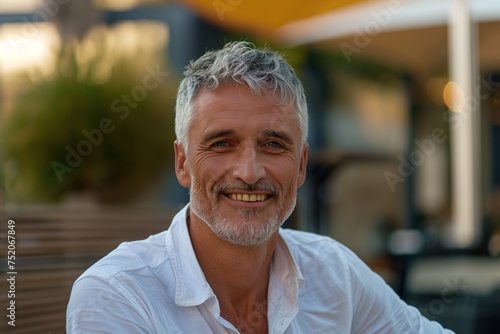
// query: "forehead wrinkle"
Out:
[208,103]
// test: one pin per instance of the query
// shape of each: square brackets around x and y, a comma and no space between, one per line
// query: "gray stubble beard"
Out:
[242,233]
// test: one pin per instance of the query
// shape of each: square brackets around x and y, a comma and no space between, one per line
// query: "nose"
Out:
[248,168]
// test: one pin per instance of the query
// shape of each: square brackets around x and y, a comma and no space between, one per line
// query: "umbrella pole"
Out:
[464,127]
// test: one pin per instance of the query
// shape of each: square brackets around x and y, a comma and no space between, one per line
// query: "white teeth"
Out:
[248,198]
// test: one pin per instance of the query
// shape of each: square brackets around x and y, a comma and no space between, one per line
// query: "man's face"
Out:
[244,163]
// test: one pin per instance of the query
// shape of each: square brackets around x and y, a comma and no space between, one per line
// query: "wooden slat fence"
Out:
[53,247]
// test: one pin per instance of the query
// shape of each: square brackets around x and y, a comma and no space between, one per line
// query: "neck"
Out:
[238,275]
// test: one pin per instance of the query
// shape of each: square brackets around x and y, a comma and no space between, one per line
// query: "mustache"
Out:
[260,185]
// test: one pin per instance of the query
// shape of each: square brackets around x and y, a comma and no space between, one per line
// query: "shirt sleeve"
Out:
[95,306]
[377,308]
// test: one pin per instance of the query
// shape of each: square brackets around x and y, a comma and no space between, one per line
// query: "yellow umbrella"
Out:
[261,17]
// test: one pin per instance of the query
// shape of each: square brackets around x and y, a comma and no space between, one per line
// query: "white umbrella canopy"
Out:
[406,34]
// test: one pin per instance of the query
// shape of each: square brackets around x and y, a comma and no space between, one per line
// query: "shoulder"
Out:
[124,282]
[307,244]
[322,256]
[302,238]
[131,256]
[332,272]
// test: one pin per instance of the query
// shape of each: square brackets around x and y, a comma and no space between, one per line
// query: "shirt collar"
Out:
[192,288]
[284,266]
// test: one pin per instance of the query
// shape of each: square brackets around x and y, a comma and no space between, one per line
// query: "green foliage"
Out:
[48,120]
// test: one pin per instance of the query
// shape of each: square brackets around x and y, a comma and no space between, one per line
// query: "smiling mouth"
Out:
[248,197]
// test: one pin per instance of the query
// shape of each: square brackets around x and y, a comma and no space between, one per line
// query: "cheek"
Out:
[210,170]
[284,170]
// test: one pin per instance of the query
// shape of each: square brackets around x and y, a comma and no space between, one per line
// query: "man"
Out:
[224,265]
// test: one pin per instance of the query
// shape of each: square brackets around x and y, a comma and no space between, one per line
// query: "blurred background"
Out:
[404,165]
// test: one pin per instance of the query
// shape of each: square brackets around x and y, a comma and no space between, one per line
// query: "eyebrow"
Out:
[216,134]
[229,132]
[277,134]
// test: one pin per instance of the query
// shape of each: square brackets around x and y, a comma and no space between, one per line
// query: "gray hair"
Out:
[239,62]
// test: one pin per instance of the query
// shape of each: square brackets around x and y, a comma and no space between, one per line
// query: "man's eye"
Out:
[221,144]
[274,144]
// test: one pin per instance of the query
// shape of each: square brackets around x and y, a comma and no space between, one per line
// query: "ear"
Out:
[181,166]
[302,166]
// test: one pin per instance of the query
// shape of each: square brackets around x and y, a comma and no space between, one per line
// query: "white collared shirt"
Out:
[157,286]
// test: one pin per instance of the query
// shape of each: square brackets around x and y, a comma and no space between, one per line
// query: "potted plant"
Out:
[80,130]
